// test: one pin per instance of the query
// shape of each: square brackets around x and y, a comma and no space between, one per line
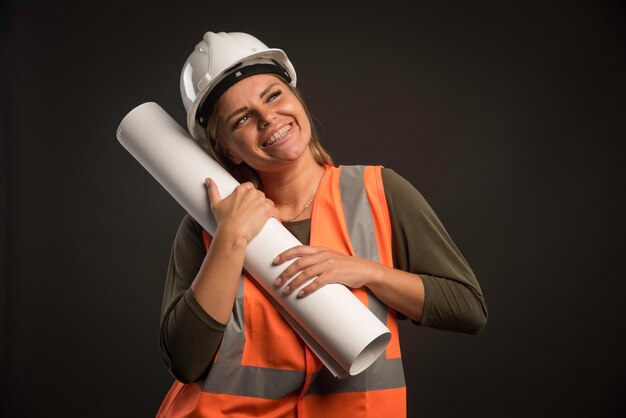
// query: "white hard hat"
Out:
[219,61]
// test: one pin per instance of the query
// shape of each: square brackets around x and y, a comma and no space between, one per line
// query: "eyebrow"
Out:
[243,109]
[267,89]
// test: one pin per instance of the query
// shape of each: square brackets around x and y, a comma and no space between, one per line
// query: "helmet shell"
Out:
[210,62]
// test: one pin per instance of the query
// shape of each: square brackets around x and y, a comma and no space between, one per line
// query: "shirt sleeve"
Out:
[190,337]
[453,297]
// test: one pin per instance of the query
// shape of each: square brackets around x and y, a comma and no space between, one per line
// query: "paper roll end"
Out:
[119,133]
[370,353]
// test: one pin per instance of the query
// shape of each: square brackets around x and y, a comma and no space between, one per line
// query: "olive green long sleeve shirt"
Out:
[453,301]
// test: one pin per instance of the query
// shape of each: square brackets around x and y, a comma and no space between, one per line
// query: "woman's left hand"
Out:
[329,266]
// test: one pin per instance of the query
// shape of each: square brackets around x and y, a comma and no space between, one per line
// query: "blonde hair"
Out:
[243,172]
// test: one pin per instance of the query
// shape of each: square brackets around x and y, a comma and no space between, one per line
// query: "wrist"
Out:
[376,278]
[231,237]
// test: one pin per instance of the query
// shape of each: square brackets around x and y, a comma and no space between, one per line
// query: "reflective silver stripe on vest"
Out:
[383,373]
[357,212]
[228,376]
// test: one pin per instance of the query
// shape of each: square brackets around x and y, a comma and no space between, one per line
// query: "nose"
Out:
[266,118]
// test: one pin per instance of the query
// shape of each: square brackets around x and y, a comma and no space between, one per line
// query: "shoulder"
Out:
[399,190]
[395,181]
[189,232]
[189,225]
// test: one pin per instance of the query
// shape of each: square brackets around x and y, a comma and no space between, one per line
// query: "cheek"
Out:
[243,140]
[305,126]
[297,110]
[225,140]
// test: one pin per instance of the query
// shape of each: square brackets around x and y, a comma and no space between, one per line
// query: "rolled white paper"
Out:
[345,335]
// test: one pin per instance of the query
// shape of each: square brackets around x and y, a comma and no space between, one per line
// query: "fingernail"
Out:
[274,261]
[286,289]
[301,293]
[278,281]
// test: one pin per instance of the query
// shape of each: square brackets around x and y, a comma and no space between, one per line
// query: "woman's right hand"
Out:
[243,213]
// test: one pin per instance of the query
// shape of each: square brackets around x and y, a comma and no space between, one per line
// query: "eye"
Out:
[242,120]
[273,96]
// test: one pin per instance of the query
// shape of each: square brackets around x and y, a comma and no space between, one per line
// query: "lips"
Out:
[278,135]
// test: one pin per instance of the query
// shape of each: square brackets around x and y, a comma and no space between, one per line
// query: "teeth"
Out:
[278,135]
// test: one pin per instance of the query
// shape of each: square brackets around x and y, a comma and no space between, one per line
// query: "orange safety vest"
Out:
[263,369]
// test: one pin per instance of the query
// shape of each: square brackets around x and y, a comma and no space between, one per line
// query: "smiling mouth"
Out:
[280,134]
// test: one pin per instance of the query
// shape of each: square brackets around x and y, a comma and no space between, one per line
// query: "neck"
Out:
[291,187]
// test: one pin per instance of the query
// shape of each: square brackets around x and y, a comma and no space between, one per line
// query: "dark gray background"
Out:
[508,117]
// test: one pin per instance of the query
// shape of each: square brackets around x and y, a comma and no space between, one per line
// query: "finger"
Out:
[273,212]
[311,287]
[247,186]
[296,267]
[301,279]
[295,252]
[214,193]
[243,188]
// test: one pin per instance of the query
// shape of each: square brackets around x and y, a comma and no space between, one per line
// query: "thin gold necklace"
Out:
[301,212]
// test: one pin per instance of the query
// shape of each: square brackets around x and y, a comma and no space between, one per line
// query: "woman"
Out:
[365,227]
